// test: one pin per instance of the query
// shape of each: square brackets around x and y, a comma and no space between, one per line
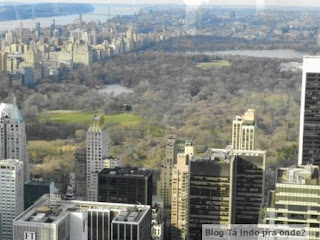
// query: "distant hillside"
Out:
[25,11]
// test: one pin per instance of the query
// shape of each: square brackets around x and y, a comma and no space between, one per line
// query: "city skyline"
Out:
[188,2]
[200,137]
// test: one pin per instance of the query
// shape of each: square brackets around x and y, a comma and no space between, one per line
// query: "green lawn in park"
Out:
[78,117]
[215,64]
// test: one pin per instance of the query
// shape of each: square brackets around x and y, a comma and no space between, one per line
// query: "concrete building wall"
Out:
[13,143]
[180,194]
[97,140]
[11,194]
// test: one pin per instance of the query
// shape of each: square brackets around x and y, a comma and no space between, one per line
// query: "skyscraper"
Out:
[309,139]
[96,153]
[38,29]
[180,193]
[13,144]
[174,146]
[164,187]
[296,199]
[129,185]
[9,38]
[243,131]
[225,187]
[249,187]
[3,62]
[11,194]
[210,193]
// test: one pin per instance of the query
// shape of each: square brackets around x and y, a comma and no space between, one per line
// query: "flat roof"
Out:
[52,211]
[126,171]
[42,183]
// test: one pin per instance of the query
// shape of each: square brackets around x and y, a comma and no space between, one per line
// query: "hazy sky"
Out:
[195,2]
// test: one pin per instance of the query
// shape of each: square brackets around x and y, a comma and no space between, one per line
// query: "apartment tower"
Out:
[164,187]
[11,195]
[96,153]
[243,131]
[13,143]
[180,193]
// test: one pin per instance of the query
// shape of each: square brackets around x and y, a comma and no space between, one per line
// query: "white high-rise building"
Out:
[243,131]
[309,140]
[96,154]
[11,195]
[13,143]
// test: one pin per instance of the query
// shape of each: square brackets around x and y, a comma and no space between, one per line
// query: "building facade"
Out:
[249,187]
[13,143]
[80,172]
[157,224]
[33,190]
[309,140]
[296,199]
[180,193]
[210,193]
[164,186]
[97,140]
[56,219]
[129,185]
[226,186]
[11,195]
[243,131]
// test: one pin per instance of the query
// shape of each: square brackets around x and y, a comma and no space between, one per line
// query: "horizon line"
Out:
[101,2]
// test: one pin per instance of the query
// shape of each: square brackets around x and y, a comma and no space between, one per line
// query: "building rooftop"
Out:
[97,124]
[311,63]
[226,155]
[37,182]
[52,210]
[304,175]
[10,162]
[126,171]
[172,140]
[218,155]
[10,111]
[248,118]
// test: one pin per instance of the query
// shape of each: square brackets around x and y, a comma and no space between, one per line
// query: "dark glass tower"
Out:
[125,185]
[225,187]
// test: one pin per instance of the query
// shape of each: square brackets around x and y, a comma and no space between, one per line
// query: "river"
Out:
[281,53]
[101,13]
